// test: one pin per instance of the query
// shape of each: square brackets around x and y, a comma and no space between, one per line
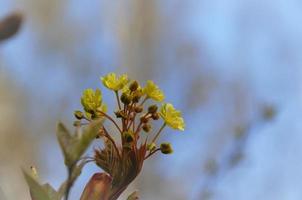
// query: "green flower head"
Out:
[172,117]
[92,101]
[113,82]
[152,91]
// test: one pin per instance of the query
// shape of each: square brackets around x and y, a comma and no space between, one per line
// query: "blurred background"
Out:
[233,67]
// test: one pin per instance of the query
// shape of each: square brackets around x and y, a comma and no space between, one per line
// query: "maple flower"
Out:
[92,101]
[152,91]
[172,117]
[113,82]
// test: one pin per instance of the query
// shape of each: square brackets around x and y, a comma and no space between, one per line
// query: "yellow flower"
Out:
[92,101]
[152,91]
[113,82]
[172,117]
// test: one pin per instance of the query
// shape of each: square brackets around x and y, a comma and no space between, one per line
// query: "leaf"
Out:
[37,191]
[133,196]
[74,146]
[67,143]
[52,193]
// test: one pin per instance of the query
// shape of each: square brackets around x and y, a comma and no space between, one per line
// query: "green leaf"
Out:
[74,146]
[37,191]
[52,193]
[67,143]
[133,196]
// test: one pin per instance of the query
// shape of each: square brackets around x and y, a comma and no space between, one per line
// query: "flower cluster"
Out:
[123,159]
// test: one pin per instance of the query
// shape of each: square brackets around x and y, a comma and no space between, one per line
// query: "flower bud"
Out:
[151,146]
[152,109]
[144,119]
[136,98]
[78,114]
[128,136]
[133,86]
[120,114]
[147,128]
[126,99]
[138,109]
[155,116]
[166,148]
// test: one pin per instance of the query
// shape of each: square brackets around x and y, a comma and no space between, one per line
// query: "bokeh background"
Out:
[233,67]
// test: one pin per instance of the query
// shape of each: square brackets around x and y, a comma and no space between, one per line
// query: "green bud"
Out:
[78,114]
[166,148]
[152,109]
[155,116]
[133,86]
[151,146]
[126,99]
[138,109]
[147,128]
[128,136]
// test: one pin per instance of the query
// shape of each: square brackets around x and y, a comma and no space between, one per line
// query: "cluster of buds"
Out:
[123,158]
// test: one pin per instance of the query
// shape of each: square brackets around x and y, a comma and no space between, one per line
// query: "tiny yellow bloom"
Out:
[152,91]
[113,82]
[92,100]
[172,117]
